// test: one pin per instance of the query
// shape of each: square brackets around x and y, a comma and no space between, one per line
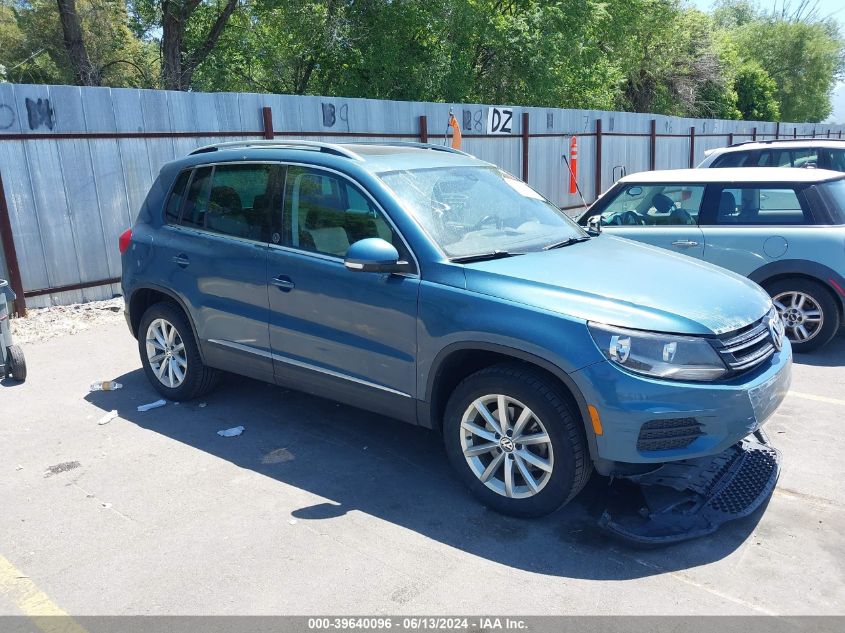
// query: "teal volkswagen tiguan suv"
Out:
[426,285]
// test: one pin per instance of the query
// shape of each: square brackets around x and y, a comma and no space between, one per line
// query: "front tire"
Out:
[170,355]
[809,312]
[530,460]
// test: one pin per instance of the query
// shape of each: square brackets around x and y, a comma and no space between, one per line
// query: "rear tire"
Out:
[17,363]
[170,354]
[808,309]
[522,479]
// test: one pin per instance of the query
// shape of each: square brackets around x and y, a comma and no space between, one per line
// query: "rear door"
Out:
[748,225]
[663,215]
[217,242]
[348,335]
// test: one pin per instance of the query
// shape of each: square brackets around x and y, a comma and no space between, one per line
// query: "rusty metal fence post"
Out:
[652,144]
[525,147]
[692,146]
[11,254]
[267,115]
[598,159]
[423,128]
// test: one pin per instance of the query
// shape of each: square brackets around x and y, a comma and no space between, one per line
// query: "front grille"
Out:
[664,435]
[746,348]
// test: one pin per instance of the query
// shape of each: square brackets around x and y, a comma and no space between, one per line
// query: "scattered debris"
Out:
[202,405]
[105,385]
[277,456]
[41,324]
[19,467]
[61,468]
[292,521]
[152,405]
[108,417]
[106,505]
[233,432]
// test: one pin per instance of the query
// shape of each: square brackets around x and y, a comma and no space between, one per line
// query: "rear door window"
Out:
[241,200]
[765,206]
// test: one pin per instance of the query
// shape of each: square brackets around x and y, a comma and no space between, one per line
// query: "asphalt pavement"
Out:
[319,508]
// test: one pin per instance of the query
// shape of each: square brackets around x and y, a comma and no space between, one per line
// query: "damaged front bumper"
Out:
[694,497]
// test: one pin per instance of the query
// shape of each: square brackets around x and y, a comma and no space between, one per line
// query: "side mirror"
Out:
[594,224]
[373,255]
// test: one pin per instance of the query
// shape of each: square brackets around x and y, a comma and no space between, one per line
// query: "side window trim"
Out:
[367,196]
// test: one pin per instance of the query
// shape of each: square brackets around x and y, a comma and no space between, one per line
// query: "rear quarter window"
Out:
[174,203]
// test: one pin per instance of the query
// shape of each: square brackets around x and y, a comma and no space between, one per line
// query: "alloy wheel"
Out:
[506,446]
[802,315]
[166,353]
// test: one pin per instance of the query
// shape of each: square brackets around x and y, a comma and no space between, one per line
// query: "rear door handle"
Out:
[283,283]
[181,259]
[684,243]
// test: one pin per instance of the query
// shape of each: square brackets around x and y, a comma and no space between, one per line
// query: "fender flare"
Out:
[799,267]
[177,299]
[517,354]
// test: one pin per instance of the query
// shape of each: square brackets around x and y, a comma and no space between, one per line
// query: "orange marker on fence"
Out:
[573,165]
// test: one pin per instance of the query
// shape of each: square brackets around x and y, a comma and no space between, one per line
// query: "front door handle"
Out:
[684,243]
[182,260]
[283,283]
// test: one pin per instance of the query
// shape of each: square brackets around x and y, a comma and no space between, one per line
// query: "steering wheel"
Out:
[487,219]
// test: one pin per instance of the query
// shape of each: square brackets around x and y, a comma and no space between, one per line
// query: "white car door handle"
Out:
[684,243]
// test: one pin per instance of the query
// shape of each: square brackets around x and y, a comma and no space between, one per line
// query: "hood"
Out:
[619,282]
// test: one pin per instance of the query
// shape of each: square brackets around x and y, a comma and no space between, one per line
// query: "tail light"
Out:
[123,241]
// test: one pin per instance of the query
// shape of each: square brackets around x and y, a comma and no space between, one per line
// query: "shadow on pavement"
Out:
[399,473]
[830,355]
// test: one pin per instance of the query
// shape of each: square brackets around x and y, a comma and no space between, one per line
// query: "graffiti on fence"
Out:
[7,116]
[333,114]
[472,120]
[39,113]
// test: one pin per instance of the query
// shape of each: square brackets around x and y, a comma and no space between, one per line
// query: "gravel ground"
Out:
[41,324]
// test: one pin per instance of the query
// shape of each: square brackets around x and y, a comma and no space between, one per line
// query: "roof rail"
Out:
[800,139]
[431,146]
[314,146]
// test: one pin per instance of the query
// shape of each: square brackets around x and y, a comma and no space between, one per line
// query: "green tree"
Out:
[37,52]
[756,91]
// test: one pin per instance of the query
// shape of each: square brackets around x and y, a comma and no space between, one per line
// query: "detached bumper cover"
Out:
[694,497]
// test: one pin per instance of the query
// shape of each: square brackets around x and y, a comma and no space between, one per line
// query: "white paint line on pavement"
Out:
[810,396]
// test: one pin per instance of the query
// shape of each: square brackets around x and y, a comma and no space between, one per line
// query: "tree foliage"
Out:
[660,56]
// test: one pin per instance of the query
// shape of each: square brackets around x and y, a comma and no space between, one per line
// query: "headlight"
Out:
[659,355]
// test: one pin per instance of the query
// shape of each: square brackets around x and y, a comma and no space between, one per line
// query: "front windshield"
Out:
[475,210]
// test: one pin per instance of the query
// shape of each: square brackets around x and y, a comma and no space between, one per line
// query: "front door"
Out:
[658,214]
[348,335]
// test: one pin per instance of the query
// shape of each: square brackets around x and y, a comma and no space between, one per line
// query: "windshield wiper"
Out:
[567,242]
[483,257]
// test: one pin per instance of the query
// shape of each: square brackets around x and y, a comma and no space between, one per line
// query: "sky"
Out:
[826,8]
[834,8]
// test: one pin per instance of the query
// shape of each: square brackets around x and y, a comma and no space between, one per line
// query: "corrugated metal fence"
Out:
[76,163]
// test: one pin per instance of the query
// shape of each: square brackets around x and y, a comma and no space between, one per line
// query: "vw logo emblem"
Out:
[777,330]
[507,444]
